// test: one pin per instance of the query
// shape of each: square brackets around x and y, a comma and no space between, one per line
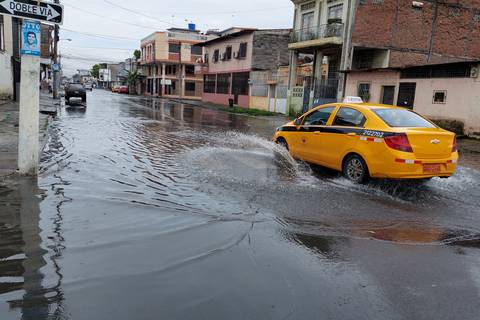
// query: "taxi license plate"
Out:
[432,168]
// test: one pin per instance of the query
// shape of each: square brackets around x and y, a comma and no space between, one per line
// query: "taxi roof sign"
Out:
[352,99]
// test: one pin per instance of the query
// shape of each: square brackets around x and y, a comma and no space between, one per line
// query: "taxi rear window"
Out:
[401,118]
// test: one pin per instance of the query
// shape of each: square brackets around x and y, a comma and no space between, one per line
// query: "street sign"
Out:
[31,38]
[42,11]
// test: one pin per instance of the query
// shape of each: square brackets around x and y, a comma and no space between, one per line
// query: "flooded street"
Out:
[147,209]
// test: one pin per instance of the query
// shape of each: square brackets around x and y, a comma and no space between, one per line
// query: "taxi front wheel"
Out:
[355,169]
[282,142]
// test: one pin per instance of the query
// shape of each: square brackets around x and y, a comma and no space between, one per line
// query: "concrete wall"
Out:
[438,32]
[261,103]
[6,76]
[232,65]
[243,101]
[462,103]
[270,49]
[161,46]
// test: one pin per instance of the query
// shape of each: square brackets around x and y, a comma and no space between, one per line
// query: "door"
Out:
[406,94]
[271,98]
[341,136]
[306,93]
[313,130]
[388,94]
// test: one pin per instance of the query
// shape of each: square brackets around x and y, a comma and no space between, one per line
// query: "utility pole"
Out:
[56,78]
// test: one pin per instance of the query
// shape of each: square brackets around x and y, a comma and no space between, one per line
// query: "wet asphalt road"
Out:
[155,210]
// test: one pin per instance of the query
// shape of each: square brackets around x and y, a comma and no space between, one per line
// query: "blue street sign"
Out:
[31,38]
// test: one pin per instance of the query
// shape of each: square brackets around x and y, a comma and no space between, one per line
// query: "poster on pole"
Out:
[31,33]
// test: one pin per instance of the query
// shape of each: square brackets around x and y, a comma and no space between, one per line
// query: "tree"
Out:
[96,69]
[137,54]
[132,80]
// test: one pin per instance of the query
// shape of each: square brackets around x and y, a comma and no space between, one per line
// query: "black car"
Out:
[75,90]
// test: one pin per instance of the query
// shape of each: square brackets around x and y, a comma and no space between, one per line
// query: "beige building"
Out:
[172,61]
[441,92]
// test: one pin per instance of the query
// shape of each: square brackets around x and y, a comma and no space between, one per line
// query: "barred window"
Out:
[240,83]
[209,83]
[174,47]
[196,50]
[242,52]
[216,55]
[308,6]
[223,83]
[228,53]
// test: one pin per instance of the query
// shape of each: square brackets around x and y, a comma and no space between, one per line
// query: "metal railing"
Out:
[318,32]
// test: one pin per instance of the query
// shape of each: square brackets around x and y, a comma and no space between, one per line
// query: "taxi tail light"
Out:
[399,142]
[455,145]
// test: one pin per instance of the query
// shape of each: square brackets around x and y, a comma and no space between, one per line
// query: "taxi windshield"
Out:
[402,118]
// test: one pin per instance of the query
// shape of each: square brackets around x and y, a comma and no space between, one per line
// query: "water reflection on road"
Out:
[150,209]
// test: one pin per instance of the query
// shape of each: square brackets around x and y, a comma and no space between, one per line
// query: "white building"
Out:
[6,52]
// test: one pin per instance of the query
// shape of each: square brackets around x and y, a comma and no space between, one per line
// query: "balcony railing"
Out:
[318,32]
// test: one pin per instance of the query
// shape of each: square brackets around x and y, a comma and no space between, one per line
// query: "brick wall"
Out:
[270,49]
[439,32]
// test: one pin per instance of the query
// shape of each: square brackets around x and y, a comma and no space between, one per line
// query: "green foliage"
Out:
[137,54]
[96,69]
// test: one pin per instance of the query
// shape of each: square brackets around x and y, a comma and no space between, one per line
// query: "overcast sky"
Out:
[110,30]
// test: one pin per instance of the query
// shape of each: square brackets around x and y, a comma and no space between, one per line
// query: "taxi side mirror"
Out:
[298,122]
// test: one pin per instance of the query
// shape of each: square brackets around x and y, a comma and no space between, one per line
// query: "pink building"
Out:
[235,56]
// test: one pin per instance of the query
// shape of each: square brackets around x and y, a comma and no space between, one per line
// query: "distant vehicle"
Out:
[123,89]
[88,86]
[115,88]
[75,90]
[364,140]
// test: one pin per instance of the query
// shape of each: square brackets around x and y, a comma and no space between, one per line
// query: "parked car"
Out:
[88,86]
[115,88]
[123,89]
[364,140]
[75,90]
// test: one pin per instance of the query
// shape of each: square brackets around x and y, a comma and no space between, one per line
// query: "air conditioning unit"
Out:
[222,56]
[474,72]
[236,55]
[199,60]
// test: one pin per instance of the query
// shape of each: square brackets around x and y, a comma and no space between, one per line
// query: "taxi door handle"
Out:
[351,134]
[316,132]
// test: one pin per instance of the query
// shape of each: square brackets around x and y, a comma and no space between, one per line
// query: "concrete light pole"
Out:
[56,78]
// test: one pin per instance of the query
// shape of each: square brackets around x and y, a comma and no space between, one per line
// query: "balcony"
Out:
[323,35]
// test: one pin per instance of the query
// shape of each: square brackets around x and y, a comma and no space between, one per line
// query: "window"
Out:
[209,81]
[223,83]
[205,58]
[228,53]
[240,83]
[348,117]
[307,6]
[364,91]
[2,35]
[307,20]
[189,86]
[439,96]
[388,94]
[335,13]
[189,69]
[242,52]
[174,47]
[216,55]
[319,117]
[403,118]
[197,50]
[171,69]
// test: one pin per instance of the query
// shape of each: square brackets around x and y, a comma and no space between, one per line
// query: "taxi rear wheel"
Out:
[355,169]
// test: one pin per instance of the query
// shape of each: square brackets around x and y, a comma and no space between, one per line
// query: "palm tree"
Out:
[132,80]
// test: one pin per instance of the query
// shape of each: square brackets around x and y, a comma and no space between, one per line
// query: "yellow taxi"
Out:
[364,140]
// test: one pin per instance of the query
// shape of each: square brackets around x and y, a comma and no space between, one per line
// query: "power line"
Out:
[103,36]
[109,18]
[140,13]
[103,48]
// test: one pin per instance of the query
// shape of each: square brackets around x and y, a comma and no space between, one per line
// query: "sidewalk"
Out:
[9,113]
[209,105]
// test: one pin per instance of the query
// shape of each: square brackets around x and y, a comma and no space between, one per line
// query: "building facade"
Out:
[244,66]
[171,62]
[320,34]
[409,53]
[6,54]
